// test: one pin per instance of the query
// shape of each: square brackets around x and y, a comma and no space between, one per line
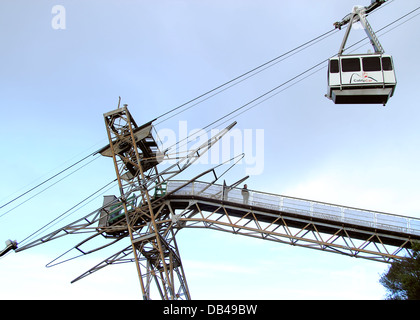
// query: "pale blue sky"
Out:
[55,86]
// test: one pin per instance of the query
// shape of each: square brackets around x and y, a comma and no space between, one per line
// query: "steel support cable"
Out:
[313,67]
[248,73]
[354,44]
[36,194]
[80,206]
[272,91]
[231,82]
[245,77]
[67,211]
[265,95]
[45,181]
[278,92]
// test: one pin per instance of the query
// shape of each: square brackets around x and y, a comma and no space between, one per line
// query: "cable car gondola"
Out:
[361,78]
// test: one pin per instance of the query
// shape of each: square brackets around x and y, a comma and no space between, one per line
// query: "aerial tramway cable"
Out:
[247,74]
[230,82]
[254,71]
[250,105]
[67,211]
[84,165]
[45,181]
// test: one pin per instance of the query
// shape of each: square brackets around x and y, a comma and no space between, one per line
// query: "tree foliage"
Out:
[402,280]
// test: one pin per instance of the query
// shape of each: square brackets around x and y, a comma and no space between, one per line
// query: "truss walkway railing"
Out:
[307,208]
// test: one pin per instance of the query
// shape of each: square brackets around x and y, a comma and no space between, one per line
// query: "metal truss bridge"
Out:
[350,231]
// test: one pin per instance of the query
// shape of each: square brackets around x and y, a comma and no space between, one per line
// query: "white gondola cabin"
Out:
[361,79]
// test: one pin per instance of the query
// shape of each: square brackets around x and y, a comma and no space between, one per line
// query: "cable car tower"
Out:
[136,155]
[361,78]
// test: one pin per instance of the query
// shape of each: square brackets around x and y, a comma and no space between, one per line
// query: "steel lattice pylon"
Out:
[156,255]
[136,157]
